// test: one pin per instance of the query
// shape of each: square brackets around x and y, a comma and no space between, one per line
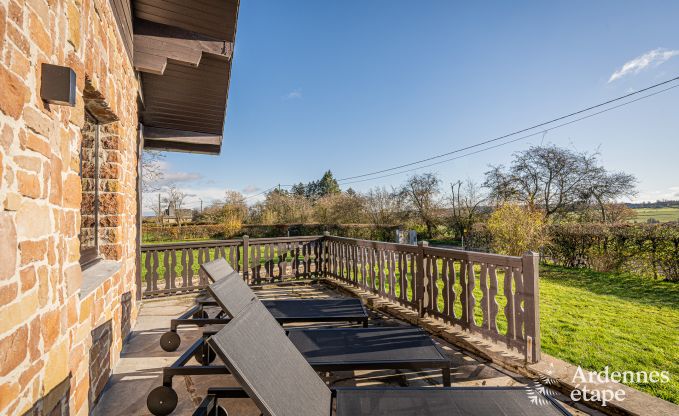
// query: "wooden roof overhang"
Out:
[183,51]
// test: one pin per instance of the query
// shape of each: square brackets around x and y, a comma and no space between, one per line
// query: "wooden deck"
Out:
[139,370]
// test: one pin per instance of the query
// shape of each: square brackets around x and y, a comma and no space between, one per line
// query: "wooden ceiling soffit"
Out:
[181,141]
[155,43]
[215,18]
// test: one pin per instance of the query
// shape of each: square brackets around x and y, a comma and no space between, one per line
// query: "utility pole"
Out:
[201,205]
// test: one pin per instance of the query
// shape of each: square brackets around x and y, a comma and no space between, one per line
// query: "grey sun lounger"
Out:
[278,378]
[335,349]
[284,310]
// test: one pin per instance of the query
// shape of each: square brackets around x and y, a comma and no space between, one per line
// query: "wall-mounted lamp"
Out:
[58,85]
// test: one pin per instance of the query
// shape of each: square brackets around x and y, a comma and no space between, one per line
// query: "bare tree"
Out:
[383,206]
[174,199]
[282,207]
[421,192]
[339,208]
[466,201]
[151,170]
[158,211]
[554,179]
[604,187]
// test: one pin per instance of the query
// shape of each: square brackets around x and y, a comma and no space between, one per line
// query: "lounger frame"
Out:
[181,367]
[209,404]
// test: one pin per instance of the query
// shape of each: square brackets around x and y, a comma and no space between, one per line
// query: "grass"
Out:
[666,214]
[623,321]
[593,319]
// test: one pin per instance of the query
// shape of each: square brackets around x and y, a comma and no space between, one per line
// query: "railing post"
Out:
[419,277]
[531,297]
[246,261]
[325,260]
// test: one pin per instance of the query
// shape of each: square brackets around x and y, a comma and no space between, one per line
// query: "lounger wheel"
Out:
[205,355]
[170,341]
[162,401]
[221,411]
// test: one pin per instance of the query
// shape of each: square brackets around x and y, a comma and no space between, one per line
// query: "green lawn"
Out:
[626,322]
[661,214]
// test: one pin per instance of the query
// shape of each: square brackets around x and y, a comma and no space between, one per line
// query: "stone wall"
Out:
[48,361]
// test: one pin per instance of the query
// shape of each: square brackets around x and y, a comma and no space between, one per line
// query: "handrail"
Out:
[493,295]
[460,287]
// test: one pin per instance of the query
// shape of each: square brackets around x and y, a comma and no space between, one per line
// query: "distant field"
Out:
[660,214]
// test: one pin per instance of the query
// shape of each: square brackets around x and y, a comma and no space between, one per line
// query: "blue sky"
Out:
[357,86]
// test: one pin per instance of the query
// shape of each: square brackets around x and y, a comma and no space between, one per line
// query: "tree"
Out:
[158,210]
[555,180]
[383,206]
[421,193]
[515,229]
[298,189]
[603,187]
[282,207]
[466,199]
[174,199]
[313,190]
[151,171]
[233,213]
[339,208]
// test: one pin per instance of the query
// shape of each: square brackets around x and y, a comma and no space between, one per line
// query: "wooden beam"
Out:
[172,50]
[180,140]
[208,149]
[146,62]
[182,37]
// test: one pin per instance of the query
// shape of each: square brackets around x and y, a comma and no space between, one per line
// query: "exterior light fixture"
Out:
[58,85]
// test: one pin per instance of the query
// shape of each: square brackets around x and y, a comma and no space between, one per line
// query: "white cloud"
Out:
[652,58]
[175,177]
[294,94]
[250,189]
[170,176]
[659,194]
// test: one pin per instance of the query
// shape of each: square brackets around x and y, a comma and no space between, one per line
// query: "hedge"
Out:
[644,249]
[212,231]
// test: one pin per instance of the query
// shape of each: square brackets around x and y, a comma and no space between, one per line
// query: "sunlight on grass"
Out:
[626,322]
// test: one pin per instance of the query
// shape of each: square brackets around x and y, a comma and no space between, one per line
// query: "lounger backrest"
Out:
[269,367]
[217,269]
[231,293]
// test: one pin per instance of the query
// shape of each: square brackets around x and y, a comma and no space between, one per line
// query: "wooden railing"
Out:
[489,294]
[173,268]
[493,295]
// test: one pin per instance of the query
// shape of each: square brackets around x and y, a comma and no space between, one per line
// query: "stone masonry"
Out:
[48,361]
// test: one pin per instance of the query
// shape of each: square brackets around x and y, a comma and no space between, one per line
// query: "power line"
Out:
[515,132]
[261,193]
[516,139]
[266,191]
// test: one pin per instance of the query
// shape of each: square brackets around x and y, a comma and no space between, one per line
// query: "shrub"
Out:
[645,249]
[225,231]
[516,229]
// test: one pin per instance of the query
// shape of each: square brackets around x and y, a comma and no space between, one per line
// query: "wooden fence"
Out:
[492,295]
[173,268]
